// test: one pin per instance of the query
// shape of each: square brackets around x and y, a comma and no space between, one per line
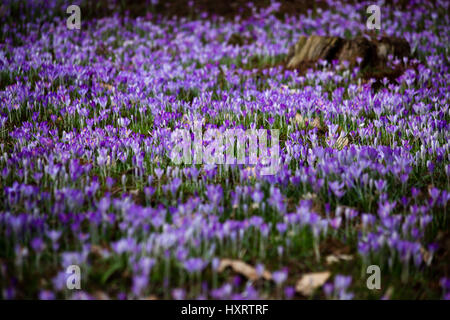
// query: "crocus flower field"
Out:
[86,120]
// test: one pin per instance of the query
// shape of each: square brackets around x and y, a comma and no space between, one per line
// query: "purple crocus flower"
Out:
[289,292]
[279,276]
[37,244]
[336,188]
[46,295]
[194,265]
[140,282]
[281,227]
[178,294]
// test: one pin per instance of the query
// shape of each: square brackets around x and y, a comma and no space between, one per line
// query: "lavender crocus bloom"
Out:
[178,294]
[46,295]
[336,188]
[194,265]
[37,244]
[279,276]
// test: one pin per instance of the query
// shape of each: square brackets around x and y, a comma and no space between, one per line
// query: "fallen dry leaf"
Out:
[107,86]
[96,249]
[255,205]
[315,122]
[285,88]
[134,192]
[341,142]
[388,293]
[427,257]
[309,196]
[243,268]
[311,281]
[100,295]
[299,118]
[332,258]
